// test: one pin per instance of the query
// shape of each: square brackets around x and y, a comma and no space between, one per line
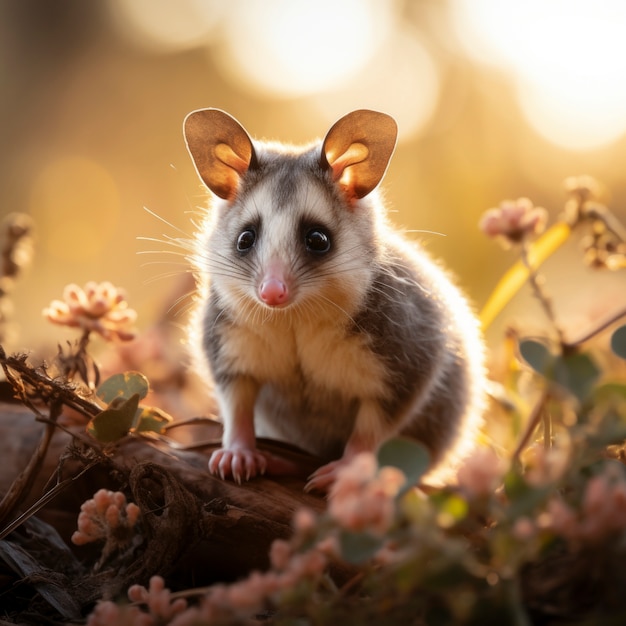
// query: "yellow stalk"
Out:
[517,275]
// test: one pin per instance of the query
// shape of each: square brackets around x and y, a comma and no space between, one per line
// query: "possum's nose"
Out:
[273,291]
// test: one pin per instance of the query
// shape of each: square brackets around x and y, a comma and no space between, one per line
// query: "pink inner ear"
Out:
[229,157]
[356,153]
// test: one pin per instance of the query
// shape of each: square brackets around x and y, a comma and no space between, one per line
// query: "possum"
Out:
[322,325]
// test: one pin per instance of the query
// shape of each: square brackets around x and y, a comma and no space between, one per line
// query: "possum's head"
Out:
[294,229]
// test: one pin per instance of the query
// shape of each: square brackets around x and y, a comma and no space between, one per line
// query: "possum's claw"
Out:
[237,463]
[323,478]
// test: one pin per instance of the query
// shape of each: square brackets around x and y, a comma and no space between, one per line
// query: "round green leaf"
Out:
[358,547]
[123,385]
[537,355]
[152,419]
[618,342]
[113,424]
[609,392]
[577,373]
[408,455]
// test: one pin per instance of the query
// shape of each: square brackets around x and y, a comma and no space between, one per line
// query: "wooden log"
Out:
[197,529]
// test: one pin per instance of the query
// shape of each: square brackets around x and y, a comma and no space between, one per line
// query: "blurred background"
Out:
[494,99]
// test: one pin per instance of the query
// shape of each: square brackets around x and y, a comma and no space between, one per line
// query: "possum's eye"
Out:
[317,240]
[246,240]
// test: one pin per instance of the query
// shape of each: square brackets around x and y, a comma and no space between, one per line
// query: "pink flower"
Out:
[108,613]
[158,599]
[481,472]
[100,308]
[280,554]
[524,529]
[514,220]
[543,466]
[560,518]
[362,498]
[104,515]
[602,513]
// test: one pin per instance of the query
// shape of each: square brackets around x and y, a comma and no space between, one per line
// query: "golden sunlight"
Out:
[402,80]
[292,48]
[164,25]
[76,203]
[567,59]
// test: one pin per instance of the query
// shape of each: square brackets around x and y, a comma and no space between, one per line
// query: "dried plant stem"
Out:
[23,483]
[539,412]
[47,497]
[596,330]
[547,429]
[45,386]
[540,293]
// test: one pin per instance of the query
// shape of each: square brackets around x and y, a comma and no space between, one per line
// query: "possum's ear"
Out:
[221,150]
[358,148]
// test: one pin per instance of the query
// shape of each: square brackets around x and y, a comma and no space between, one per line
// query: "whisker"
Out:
[188,297]
[424,232]
[166,222]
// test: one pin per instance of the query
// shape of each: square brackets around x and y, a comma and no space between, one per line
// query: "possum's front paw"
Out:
[237,463]
[323,478]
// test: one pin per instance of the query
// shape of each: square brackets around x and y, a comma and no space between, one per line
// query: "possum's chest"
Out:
[323,355]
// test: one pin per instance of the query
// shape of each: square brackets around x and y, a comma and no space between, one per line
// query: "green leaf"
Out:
[454,507]
[618,342]
[113,424]
[408,455]
[537,355]
[609,392]
[124,386]
[523,498]
[357,547]
[576,372]
[151,419]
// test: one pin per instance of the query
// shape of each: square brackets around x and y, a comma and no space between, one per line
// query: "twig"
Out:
[540,294]
[533,422]
[596,330]
[47,497]
[46,387]
[27,383]
[24,481]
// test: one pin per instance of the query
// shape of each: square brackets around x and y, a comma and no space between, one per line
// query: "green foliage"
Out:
[123,385]
[114,423]
[576,371]
[618,342]
[151,419]
[123,392]
[359,547]
[538,356]
[409,456]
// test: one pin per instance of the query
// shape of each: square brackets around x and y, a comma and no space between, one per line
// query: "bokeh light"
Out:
[166,26]
[402,80]
[493,99]
[295,47]
[567,59]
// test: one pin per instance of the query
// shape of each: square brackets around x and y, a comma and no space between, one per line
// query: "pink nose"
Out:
[273,292]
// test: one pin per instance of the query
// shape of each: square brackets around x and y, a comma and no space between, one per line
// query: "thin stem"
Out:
[596,330]
[547,429]
[540,293]
[533,422]
[23,483]
[47,497]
